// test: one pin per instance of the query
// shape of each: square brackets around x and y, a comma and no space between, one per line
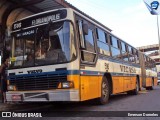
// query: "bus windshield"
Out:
[47,44]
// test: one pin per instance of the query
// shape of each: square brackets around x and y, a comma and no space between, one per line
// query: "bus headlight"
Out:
[67,84]
[11,87]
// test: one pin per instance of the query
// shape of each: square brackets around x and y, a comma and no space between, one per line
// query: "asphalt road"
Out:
[121,104]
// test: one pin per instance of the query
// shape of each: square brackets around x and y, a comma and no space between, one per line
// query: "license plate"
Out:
[16,97]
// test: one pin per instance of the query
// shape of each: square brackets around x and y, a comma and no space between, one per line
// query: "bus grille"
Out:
[38,82]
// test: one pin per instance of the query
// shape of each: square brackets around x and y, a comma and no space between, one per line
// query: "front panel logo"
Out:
[34,71]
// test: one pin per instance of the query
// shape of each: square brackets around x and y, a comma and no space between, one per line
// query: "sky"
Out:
[130,20]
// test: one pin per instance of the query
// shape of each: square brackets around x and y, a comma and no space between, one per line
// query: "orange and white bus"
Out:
[65,55]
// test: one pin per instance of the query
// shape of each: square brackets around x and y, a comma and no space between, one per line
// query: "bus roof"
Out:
[74,8]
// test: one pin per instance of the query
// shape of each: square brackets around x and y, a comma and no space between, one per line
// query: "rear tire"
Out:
[130,92]
[104,92]
[147,88]
[136,90]
[152,87]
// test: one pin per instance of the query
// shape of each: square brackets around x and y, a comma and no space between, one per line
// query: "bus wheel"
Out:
[136,90]
[152,87]
[147,88]
[104,92]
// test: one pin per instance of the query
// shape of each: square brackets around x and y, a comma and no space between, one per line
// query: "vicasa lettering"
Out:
[127,69]
[34,71]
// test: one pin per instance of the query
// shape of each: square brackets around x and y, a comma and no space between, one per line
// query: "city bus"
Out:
[65,55]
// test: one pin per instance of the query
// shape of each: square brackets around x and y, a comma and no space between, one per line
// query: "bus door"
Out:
[143,69]
[88,76]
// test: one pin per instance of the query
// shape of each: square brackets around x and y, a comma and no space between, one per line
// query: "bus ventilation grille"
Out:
[38,82]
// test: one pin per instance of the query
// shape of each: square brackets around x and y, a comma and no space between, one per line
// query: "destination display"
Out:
[23,33]
[40,19]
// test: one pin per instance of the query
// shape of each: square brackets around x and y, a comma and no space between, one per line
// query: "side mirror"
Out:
[85,29]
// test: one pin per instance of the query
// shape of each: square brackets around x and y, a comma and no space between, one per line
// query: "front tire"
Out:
[104,92]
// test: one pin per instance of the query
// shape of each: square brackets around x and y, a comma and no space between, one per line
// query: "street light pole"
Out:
[158,33]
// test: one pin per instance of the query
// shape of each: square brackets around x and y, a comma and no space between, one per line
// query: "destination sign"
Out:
[40,19]
[23,33]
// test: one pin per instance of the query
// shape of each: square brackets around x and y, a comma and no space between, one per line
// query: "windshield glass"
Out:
[48,44]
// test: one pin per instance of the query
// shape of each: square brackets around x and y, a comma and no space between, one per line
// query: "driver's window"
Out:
[42,44]
[56,45]
[29,52]
[19,47]
[19,52]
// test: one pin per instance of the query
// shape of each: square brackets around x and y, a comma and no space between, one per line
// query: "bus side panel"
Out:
[155,81]
[122,84]
[127,85]
[133,82]
[90,87]
[118,84]
[140,82]
[148,81]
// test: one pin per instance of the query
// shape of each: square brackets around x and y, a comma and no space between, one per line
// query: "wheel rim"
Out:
[104,90]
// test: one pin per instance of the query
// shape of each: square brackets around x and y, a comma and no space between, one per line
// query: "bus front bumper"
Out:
[42,96]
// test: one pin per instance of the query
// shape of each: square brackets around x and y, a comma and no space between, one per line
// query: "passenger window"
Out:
[123,46]
[101,35]
[114,42]
[115,52]
[89,41]
[103,47]
[124,51]
[131,54]
[130,49]
[115,47]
